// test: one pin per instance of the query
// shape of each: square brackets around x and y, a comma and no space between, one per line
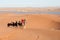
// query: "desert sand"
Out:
[37,27]
[32,9]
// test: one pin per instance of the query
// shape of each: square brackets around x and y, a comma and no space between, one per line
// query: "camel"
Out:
[12,24]
[16,24]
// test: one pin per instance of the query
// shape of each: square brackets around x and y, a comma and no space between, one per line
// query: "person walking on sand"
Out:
[23,21]
[19,23]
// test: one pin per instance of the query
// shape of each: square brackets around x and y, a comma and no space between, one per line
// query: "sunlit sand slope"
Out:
[37,27]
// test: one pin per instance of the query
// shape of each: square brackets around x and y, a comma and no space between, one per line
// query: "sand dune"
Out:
[38,27]
[31,9]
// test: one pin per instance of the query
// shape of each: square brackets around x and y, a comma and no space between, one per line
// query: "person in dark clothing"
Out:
[20,24]
[15,24]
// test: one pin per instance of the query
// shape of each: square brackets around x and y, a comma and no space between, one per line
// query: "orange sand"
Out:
[38,27]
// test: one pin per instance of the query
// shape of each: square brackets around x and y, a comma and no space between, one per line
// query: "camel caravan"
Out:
[16,24]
